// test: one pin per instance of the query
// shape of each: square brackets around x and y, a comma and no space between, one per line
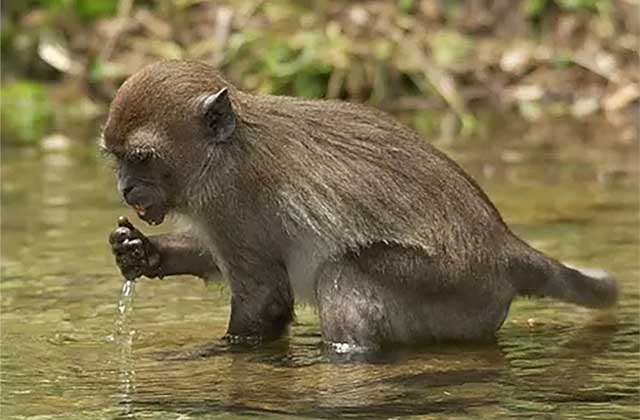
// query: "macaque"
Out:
[325,201]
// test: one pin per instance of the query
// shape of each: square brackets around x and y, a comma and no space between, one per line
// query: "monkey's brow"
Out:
[137,152]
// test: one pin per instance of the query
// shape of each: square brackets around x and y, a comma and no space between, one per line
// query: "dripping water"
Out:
[124,335]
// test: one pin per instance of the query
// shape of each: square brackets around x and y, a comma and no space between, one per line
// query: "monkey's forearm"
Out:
[182,254]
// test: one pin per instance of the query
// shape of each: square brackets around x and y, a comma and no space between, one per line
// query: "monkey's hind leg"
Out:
[362,309]
[352,315]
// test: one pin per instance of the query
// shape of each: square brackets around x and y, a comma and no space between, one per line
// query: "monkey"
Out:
[331,202]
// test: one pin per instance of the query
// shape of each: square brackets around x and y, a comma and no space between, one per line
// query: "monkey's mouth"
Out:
[153,215]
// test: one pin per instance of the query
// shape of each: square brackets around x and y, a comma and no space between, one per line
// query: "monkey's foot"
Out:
[135,255]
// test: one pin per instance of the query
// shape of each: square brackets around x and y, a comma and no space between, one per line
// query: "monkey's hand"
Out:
[135,254]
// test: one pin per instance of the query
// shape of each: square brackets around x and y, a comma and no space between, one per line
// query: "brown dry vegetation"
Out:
[540,58]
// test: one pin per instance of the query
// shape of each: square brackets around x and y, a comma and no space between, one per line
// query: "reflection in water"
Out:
[551,360]
[293,378]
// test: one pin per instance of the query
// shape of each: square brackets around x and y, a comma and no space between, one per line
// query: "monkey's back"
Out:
[356,177]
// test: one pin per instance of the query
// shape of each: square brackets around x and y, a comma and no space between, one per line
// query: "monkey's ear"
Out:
[218,115]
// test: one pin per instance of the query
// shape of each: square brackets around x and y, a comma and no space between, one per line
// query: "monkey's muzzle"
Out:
[153,215]
[149,203]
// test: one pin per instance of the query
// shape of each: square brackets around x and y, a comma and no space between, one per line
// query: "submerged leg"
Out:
[367,304]
[353,315]
[261,302]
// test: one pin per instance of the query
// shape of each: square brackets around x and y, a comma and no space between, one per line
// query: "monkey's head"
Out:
[164,125]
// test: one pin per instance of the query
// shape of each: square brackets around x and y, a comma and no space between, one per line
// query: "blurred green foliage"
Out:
[301,63]
[450,48]
[538,7]
[84,9]
[26,113]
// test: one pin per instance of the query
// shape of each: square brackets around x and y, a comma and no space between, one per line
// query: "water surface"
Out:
[74,348]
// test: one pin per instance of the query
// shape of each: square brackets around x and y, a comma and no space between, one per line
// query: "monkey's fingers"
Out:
[128,264]
[131,258]
[132,248]
[124,233]
[131,273]
[119,235]
[136,247]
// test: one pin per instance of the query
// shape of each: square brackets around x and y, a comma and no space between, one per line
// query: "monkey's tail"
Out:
[534,274]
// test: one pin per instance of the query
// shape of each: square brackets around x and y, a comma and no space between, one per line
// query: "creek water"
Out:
[75,344]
